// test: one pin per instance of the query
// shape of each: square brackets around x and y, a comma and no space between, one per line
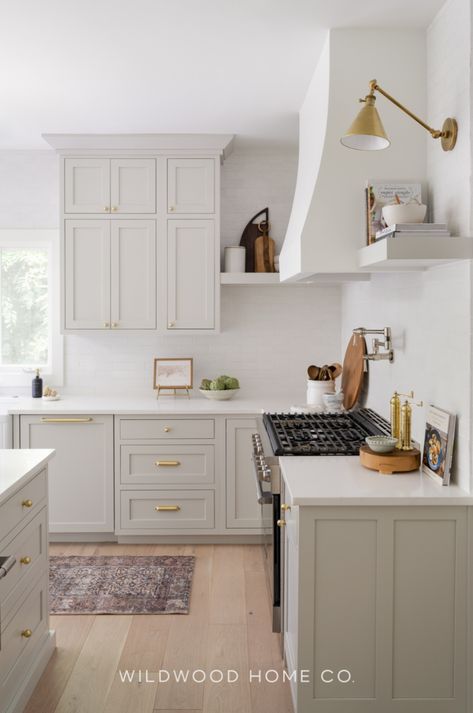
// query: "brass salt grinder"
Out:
[401,420]
[395,407]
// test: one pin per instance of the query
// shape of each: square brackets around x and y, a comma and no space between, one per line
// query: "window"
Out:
[29,320]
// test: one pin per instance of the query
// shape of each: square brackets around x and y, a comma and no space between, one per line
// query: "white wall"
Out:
[270,334]
[430,313]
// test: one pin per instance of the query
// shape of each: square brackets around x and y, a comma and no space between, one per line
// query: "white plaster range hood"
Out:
[327,224]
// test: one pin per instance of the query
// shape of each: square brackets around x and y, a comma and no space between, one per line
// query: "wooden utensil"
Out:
[336,369]
[353,370]
[313,372]
[264,250]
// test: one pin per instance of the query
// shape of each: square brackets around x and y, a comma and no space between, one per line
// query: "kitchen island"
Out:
[26,640]
[377,589]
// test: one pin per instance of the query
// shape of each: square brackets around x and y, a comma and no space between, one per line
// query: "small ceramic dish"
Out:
[222,395]
[381,444]
[51,398]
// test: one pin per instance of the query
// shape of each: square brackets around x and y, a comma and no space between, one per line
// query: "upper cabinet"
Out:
[191,185]
[102,185]
[140,231]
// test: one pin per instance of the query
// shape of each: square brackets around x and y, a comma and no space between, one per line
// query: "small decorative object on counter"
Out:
[316,391]
[220,389]
[438,444]
[388,463]
[234,260]
[395,409]
[406,424]
[37,386]
[173,374]
[381,444]
[50,394]
[251,232]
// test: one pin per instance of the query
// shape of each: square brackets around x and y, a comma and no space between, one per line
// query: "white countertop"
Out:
[146,405]
[17,467]
[342,480]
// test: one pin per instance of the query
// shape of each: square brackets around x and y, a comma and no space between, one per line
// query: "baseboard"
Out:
[191,540]
[41,660]
[82,537]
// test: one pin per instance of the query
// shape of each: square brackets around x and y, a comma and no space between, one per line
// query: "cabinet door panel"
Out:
[133,185]
[191,185]
[243,509]
[87,185]
[191,274]
[81,472]
[87,274]
[133,274]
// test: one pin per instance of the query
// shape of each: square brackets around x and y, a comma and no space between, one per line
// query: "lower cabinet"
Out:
[242,508]
[376,608]
[148,510]
[80,474]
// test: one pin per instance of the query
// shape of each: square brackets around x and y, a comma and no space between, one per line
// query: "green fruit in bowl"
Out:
[205,385]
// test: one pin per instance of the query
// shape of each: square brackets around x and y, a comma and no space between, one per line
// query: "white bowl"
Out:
[409,213]
[223,395]
[381,444]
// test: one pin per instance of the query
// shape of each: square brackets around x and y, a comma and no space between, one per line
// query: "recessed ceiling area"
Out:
[225,66]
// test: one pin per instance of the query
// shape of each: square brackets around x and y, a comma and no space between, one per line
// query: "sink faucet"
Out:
[386,344]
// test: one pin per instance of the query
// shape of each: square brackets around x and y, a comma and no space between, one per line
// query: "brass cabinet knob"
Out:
[114,208]
[281,523]
[106,325]
[106,208]
[172,209]
[114,325]
[27,503]
[25,560]
[166,429]
[171,324]
[26,633]
[285,507]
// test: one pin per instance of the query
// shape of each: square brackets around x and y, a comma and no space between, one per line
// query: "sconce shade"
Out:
[367,131]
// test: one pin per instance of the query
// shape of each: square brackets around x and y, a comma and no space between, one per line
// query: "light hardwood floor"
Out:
[228,627]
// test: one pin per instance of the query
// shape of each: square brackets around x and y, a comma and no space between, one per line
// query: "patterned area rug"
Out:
[120,585]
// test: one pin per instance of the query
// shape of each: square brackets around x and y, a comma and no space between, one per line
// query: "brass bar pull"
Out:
[166,463]
[167,508]
[44,419]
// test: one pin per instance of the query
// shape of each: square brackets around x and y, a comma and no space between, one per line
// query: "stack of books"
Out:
[409,230]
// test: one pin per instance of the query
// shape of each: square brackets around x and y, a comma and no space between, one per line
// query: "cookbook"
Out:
[438,444]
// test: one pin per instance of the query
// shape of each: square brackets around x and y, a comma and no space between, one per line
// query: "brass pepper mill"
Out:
[395,408]
[406,425]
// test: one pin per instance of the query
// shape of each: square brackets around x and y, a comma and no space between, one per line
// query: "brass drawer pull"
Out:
[167,508]
[26,633]
[27,503]
[166,429]
[166,463]
[285,507]
[281,523]
[25,560]
[44,419]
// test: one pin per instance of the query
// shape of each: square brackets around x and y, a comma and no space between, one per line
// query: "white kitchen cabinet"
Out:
[242,507]
[133,274]
[103,185]
[80,474]
[375,603]
[191,275]
[133,185]
[110,274]
[87,185]
[87,274]
[191,185]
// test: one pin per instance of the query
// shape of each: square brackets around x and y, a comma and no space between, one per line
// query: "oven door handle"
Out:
[263,497]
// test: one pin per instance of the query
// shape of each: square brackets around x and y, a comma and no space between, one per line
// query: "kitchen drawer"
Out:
[165,428]
[18,509]
[30,545]
[195,510]
[32,616]
[167,465]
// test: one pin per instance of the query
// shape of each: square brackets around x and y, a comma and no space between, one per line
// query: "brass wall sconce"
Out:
[367,131]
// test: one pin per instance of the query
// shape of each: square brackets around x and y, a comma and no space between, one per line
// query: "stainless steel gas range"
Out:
[288,434]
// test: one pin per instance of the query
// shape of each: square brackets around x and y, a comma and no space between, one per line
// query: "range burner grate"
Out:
[322,434]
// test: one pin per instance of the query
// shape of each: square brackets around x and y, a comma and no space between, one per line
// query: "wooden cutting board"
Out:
[353,370]
[264,254]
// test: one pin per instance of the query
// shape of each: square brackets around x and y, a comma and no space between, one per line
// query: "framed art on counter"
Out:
[173,374]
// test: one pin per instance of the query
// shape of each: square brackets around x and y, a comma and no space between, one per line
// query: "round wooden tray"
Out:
[389,463]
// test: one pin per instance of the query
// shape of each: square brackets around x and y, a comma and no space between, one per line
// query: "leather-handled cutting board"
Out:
[353,370]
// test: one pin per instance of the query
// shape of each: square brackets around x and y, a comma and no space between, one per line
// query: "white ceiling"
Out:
[230,66]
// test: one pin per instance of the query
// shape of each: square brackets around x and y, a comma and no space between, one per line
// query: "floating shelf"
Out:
[405,253]
[249,278]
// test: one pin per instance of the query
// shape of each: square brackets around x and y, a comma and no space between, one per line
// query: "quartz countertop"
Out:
[342,480]
[17,467]
[146,405]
